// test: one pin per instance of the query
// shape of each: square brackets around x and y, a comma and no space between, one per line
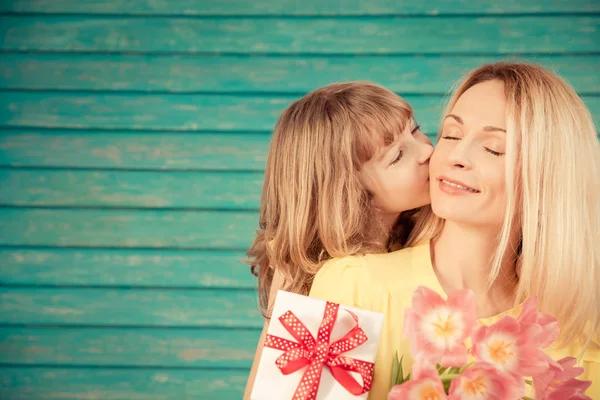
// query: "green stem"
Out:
[449,377]
[527,398]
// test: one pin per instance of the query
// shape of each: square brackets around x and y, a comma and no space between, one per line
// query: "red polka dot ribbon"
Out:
[320,352]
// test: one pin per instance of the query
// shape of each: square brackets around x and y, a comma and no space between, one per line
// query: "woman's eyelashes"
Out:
[487,149]
[494,153]
[415,129]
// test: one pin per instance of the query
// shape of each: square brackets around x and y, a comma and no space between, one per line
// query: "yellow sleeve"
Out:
[339,281]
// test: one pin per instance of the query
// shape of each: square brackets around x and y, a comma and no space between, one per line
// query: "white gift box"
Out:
[272,384]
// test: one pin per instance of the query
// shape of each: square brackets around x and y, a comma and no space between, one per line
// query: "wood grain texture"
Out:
[133,139]
[422,35]
[133,189]
[127,307]
[43,383]
[227,230]
[178,112]
[290,7]
[125,268]
[227,74]
[141,347]
[134,150]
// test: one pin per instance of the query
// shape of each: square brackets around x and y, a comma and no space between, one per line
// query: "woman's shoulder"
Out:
[369,276]
[379,266]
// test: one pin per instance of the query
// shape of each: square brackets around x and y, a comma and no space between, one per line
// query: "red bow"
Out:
[318,353]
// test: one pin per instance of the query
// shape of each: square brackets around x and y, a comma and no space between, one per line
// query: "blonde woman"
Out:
[515,187]
[345,162]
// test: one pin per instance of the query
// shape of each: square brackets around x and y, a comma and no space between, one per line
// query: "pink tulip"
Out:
[508,348]
[559,371]
[438,328]
[530,317]
[573,389]
[483,381]
[425,384]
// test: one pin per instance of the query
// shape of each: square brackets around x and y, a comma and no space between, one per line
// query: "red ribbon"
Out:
[319,353]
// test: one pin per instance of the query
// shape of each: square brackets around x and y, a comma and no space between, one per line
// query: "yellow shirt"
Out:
[385,283]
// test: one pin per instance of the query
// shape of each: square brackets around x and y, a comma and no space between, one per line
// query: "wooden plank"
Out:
[129,307]
[125,267]
[422,35]
[226,230]
[290,7]
[168,73]
[134,150]
[139,189]
[42,383]
[139,347]
[178,112]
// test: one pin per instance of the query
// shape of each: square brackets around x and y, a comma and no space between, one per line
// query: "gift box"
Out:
[317,350]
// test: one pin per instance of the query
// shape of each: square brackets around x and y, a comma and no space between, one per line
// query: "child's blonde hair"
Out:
[314,206]
[553,195]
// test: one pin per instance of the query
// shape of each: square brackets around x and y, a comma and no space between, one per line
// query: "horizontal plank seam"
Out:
[141,208]
[82,54]
[208,93]
[305,54]
[131,327]
[84,247]
[78,131]
[120,367]
[25,247]
[169,170]
[361,16]
[223,93]
[129,287]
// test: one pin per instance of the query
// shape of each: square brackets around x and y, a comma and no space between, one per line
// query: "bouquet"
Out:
[508,355]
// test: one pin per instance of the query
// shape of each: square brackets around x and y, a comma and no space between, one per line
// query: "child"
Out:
[346,163]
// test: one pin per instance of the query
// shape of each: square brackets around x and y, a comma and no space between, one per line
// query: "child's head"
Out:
[345,161]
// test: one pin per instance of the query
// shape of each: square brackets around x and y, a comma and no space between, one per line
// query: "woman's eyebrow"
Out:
[456,117]
[493,129]
[485,129]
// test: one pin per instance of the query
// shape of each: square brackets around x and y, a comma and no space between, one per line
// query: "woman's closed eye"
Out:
[451,134]
[492,152]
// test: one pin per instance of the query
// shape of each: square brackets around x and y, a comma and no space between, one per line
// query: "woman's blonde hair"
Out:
[553,195]
[314,206]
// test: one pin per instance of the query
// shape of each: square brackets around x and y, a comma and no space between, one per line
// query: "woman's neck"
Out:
[462,258]
[389,220]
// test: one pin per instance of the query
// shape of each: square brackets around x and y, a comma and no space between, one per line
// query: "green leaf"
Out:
[401,370]
[395,369]
[447,386]
[464,367]
[441,369]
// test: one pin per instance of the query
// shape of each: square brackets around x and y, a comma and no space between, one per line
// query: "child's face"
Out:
[398,175]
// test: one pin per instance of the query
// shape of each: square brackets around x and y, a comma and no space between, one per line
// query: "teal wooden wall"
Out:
[133,136]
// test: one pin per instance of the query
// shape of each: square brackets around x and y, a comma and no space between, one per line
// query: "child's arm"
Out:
[276,284]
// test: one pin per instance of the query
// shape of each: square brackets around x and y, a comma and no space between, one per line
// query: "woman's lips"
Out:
[454,187]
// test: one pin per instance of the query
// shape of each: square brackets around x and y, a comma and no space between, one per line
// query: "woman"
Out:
[514,185]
